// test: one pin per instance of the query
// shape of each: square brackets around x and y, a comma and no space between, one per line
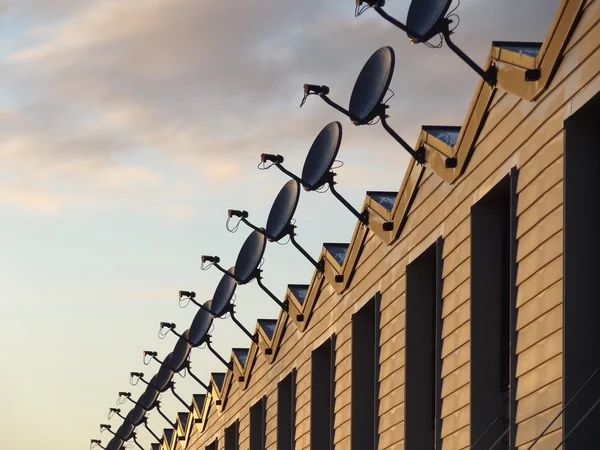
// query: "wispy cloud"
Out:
[97,86]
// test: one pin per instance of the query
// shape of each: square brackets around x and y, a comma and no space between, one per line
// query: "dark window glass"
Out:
[322,396]
[365,376]
[581,306]
[491,255]
[286,412]
[232,436]
[423,350]
[258,413]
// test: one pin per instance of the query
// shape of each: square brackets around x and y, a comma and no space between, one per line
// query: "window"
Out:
[286,412]
[423,351]
[232,436]
[581,306]
[258,413]
[213,446]
[492,269]
[322,396]
[365,376]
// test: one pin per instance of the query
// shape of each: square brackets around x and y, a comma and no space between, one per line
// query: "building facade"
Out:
[465,314]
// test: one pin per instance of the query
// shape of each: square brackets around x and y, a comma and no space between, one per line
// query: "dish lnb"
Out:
[275,159]
[212,259]
[237,213]
[187,294]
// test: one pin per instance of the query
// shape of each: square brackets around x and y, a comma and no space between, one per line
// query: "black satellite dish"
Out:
[116,443]
[425,20]
[198,332]
[367,99]
[148,398]
[127,396]
[317,168]
[196,337]
[136,415]
[279,222]
[247,263]
[176,366]
[125,431]
[221,301]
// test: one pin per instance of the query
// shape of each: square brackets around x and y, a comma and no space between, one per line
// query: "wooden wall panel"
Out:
[518,133]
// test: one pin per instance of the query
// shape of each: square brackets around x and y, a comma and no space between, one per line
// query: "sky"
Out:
[128,128]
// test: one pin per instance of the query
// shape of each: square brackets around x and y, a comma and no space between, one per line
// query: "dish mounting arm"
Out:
[150,431]
[489,75]
[157,403]
[208,340]
[322,91]
[196,379]
[377,6]
[268,292]
[178,397]
[418,155]
[253,337]
[362,217]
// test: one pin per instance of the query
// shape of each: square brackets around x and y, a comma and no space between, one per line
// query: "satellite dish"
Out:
[367,100]
[162,380]
[136,415]
[426,19]
[176,360]
[246,267]
[371,86]
[167,363]
[221,301]
[249,257]
[148,398]
[321,156]
[282,211]
[279,223]
[116,443]
[317,172]
[200,325]
[125,431]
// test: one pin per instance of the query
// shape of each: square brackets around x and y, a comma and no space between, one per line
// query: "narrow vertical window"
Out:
[423,350]
[286,412]
[232,436]
[214,445]
[491,268]
[258,413]
[322,396]
[581,303]
[365,376]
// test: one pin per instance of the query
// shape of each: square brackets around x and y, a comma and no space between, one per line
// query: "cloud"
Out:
[95,88]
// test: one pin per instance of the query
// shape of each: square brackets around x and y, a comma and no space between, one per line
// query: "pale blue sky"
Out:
[127,129]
